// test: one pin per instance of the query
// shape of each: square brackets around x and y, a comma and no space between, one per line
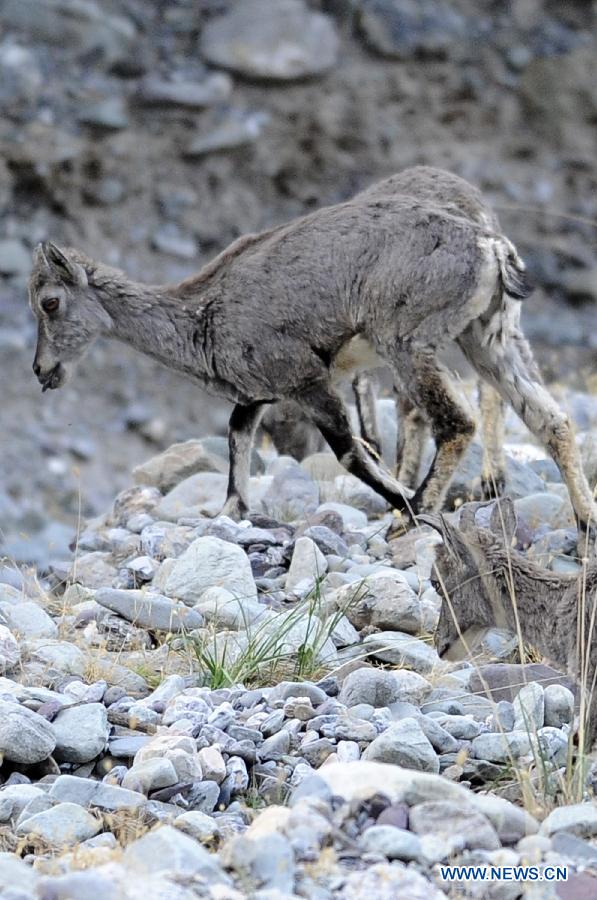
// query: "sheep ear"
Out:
[502,522]
[431,519]
[467,517]
[441,525]
[62,267]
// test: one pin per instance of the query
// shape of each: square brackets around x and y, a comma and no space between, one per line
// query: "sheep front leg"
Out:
[328,412]
[241,432]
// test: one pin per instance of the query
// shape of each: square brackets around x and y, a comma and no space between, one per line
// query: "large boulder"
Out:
[280,41]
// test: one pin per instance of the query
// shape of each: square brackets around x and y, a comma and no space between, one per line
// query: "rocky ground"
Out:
[191,707]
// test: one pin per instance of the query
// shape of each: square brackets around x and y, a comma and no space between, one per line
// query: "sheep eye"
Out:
[51,304]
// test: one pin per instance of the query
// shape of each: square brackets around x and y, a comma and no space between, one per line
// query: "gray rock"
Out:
[559,705]
[64,825]
[16,875]
[197,495]
[286,689]
[529,708]
[150,775]
[404,744]
[381,688]
[168,849]
[571,847]
[170,238]
[149,610]
[204,796]
[214,89]
[327,540]
[198,825]
[15,259]
[503,717]
[402,649]
[579,819]
[403,30]
[349,729]
[316,752]
[28,620]
[544,509]
[497,747]
[237,131]
[25,737]
[162,540]
[386,881]
[210,562]
[351,518]
[212,764]
[351,491]
[384,600]
[81,732]
[440,739]
[554,745]
[291,495]
[84,27]
[455,824]
[391,842]
[282,43]
[109,114]
[222,608]
[85,792]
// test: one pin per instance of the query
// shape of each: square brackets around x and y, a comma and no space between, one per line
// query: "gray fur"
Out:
[278,315]
[483,581]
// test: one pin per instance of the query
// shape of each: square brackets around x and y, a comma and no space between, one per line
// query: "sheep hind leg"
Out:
[241,432]
[328,412]
[493,472]
[509,372]
[413,431]
[430,390]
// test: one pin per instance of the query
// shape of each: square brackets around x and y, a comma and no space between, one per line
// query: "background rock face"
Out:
[152,139]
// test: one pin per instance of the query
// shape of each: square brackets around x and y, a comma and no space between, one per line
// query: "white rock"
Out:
[580,819]
[168,849]
[28,620]
[202,494]
[61,656]
[384,599]
[207,562]
[404,744]
[10,654]
[212,764]
[351,518]
[403,649]
[86,792]
[221,607]
[64,825]
[150,775]
[529,708]
[559,705]
[308,564]
[161,744]
[198,825]
[498,747]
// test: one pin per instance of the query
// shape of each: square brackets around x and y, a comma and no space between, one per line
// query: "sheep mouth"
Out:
[54,379]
